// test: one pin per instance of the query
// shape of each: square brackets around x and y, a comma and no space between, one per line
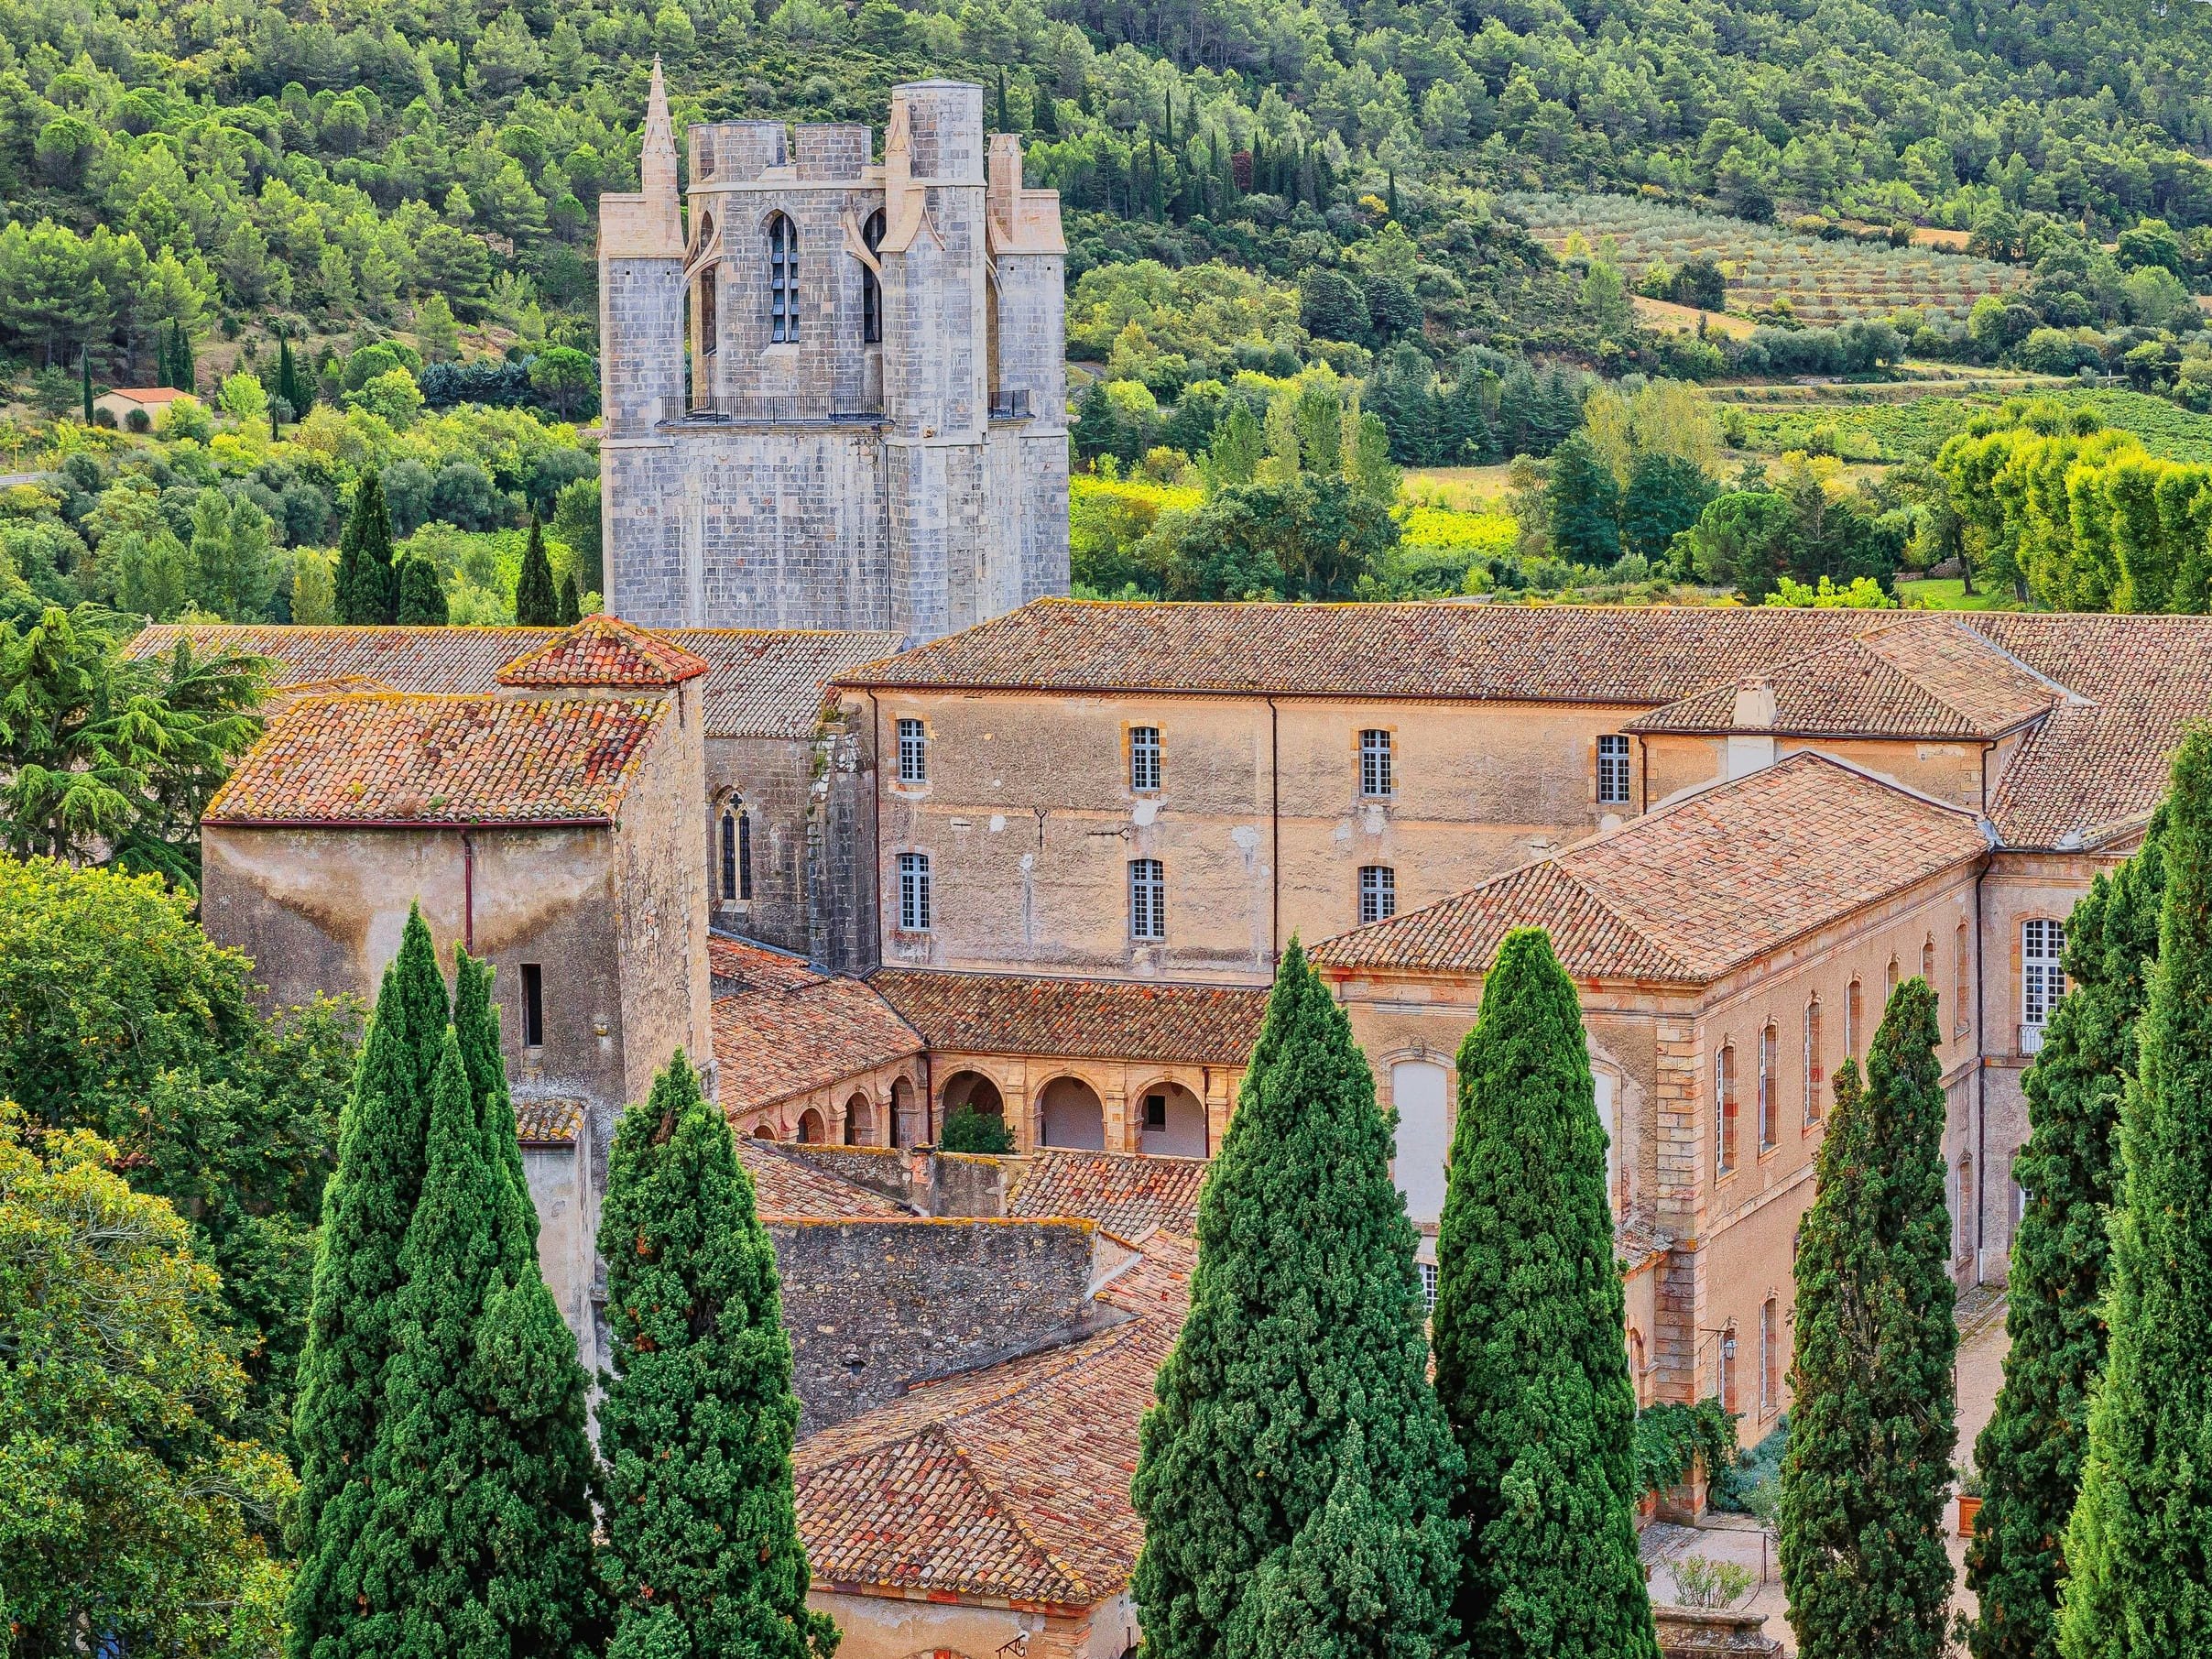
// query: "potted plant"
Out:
[1971,1491]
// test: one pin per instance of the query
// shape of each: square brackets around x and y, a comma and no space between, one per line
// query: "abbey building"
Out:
[834,388]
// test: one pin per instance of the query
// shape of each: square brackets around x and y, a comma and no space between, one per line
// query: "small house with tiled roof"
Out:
[1730,949]
[787,786]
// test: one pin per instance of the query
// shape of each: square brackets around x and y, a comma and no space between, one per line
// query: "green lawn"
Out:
[1949,594]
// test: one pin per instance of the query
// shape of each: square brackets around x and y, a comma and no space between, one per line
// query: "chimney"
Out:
[1751,744]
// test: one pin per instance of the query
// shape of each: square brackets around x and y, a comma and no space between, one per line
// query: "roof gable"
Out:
[1043,1015]
[1694,890]
[604,650]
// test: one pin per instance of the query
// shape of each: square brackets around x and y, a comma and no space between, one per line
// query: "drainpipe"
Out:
[468,888]
[1981,1089]
[1274,835]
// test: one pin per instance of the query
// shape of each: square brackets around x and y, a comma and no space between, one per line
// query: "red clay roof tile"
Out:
[603,650]
[1038,1014]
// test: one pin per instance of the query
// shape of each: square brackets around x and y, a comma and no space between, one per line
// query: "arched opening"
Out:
[871,287]
[810,1128]
[1421,1091]
[970,1089]
[859,1122]
[1071,1116]
[1171,1122]
[902,1107]
[1635,1364]
[764,1131]
[783,280]
[1608,1116]
[736,851]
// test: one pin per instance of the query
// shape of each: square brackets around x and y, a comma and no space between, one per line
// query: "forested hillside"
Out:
[232,162]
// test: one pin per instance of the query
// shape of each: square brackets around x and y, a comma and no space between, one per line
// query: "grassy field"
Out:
[1825,281]
[1949,594]
[1858,431]
[1665,317]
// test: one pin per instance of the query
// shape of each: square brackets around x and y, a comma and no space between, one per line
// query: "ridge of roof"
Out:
[603,650]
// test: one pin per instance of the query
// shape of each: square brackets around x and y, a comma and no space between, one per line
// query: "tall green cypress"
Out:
[569,609]
[365,1208]
[2139,1544]
[2031,1452]
[536,605]
[702,1552]
[368,588]
[1874,1418]
[1529,1333]
[479,1538]
[476,1021]
[1297,1475]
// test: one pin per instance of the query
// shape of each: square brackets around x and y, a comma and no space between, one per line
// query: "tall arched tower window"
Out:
[783,280]
[710,330]
[871,289]
[736,852]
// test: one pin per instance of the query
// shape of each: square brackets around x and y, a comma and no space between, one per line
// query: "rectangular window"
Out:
[709,316]
[1155,1113]
[1724,1107]
[1816,1076]
[914,892]
[1769,1357]
[1961,990]
[1612,771]
[1427,1286]
[913,753]
[1851,1014]
[1148,898]
[1378,892]
[2043,945]
[533,1005]
[1144,758]
[1376,781]
[1768,1127]
[745,856]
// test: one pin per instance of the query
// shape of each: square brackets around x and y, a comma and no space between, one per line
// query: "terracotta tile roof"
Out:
[788,1187]
[1689,892]
[787,1028]
[1921,677]
[603,650]
[1127,1193]
[1036,1014]
[761,682]
[554,1122]
[1010,1483]
[384,758]
[2096,769]
[1515,653]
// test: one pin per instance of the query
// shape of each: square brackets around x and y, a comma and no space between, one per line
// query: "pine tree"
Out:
[368,588]
[479,1537]
[365,1208]
[568,611]
[1529,1334]
[421,595]
[2031,1452]
[1585,504]
[535,603]
[2138,1547]
[1874,1420]
[702,1550]
[1297,1475]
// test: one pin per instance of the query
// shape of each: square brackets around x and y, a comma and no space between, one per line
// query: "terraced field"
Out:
[1824,282]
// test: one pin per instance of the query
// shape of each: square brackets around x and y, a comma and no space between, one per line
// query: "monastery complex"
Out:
[847,802]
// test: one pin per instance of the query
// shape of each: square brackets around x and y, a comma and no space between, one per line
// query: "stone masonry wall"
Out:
[875,1306]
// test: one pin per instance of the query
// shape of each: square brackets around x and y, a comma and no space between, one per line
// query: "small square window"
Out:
[1156,1111]
[1612,770]
[913,753]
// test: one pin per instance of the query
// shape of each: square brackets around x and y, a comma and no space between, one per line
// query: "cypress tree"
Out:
[2031,1452]
[476,1021]
[368,588]
[535,602]
[479,1539]
[422,597]
[1874,1419]
[365,1208]
[2139,1544]
[703,1551]
[1297,1475]
[569,610]
[1529,1333]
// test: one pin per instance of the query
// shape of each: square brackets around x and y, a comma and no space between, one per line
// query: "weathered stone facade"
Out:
[839,400]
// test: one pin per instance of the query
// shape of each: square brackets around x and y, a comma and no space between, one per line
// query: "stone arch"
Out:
[1171,1120]
[764,1131]
[902,1107]
[780,232]
[1070,1114]
[970,1088]
[810,1130]
[859,1121]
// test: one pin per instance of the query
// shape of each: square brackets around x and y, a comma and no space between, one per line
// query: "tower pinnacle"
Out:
[657,163]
